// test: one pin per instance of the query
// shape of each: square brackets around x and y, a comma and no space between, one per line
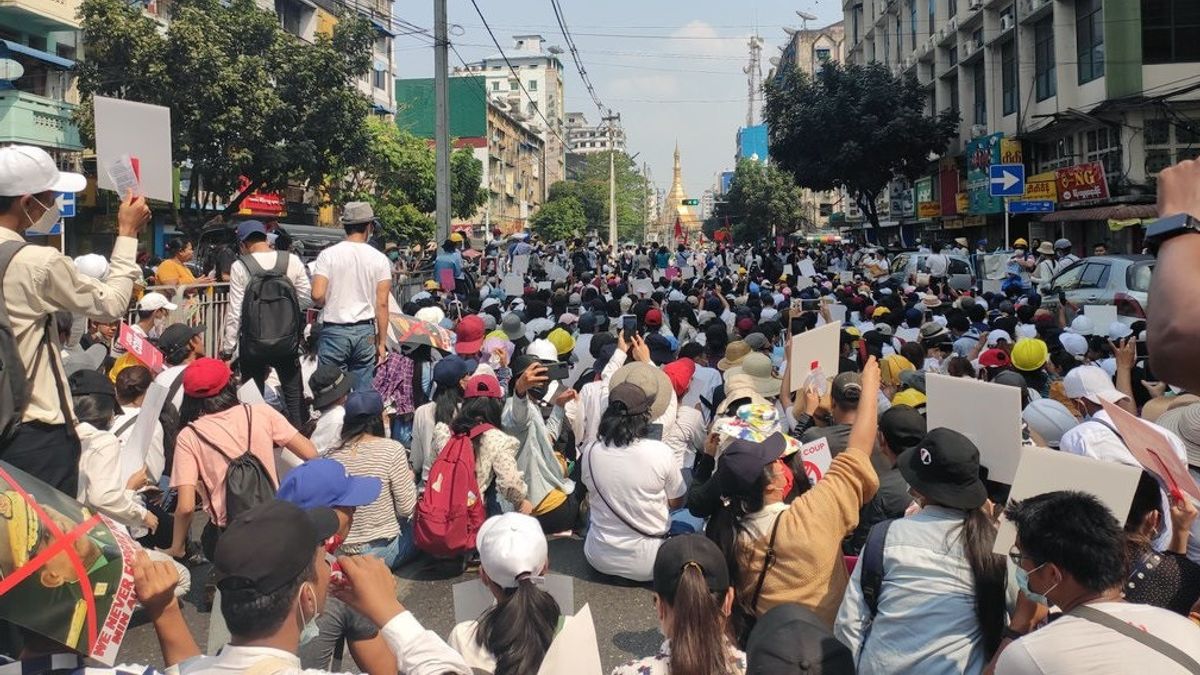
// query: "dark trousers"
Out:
[291,385]
[48,452]
[563,517]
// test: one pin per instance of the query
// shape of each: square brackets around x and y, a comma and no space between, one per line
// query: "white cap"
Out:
[488,302]
[510,546]
[26,170]
[1050,419]
[430,314]
[1026,330]
[152,302]
[996,335]
[1082,325]
[1075,344]
[1118,331]
[769,313]
[543,349]
[675,295]
[1091,383]
[92,265]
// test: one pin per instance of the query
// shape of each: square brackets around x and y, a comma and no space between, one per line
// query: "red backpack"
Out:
[451,509]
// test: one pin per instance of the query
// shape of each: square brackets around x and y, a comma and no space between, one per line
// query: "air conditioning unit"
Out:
[1006,22]
[941,34]
[978,130]
[952,25]
[966,50]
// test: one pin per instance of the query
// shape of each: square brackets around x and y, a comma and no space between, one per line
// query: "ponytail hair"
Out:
[723,529]
[618,428]
[989,573]
[518,630]
[699,630]
[446,401]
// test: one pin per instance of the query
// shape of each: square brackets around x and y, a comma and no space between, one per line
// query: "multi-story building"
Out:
[708,201]
[513,154]
[39,42]
[586,139]
[531,92]
[1095,97]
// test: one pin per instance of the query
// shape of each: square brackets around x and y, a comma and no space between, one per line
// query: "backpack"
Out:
[871,577]
[450,511]
[14,385]
[247,483]
[271,319]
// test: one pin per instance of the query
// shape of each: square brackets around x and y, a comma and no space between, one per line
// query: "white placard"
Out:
[846,277]
[908,334]
[544,285]
[988,414]
[819,344]
[789,270]
[135,448]
[574,650]
[806,268]
[643,287]
[520,264]
[513,285]
[687,272]
[991,285]
[471,597]
[817,457]
[1042,470]
[141,131]
[837,312]
[250,393]
[803,283]
[555,272]
[1102,316]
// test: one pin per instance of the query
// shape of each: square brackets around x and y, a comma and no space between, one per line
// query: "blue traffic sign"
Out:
[1031,206]
[1006,180]
[66,202]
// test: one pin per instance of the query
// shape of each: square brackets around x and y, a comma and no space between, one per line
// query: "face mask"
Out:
[310,630]
[789,478]
[49,217]
[1023,584]
[777,355]
[160,322]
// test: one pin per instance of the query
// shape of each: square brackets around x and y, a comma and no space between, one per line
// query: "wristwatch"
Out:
[1169,226]
[1011,634]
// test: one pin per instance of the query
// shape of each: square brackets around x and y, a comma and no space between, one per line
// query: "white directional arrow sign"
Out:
[1007,180]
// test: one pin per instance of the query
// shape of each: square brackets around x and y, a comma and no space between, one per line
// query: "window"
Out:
[822,55]
[379,79]
[1043,59]
[951,7]
[532,85]
[953,83]
[1169,141]
[912,23]
[1054,154]
[495,85]
[1104,146]
[38,42]
[1089,39]
[1170,31]
[1068,280]
[899,40]
[886,44]
[289,15]
[514,84]
[932,15]
[980,95]
[952,53]
[1095,275]
[977,39]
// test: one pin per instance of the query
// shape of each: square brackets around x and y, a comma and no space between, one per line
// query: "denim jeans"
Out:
[351,348]
[395,551]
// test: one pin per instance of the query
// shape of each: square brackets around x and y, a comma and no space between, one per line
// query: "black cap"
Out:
[85,382]
[174,341]
[903,427]
[678,553]
[743,461]
[790,640]
[846,389]
[599,341]
[328,384]
[267,547]
[944,467]
[660,349]
[636,400]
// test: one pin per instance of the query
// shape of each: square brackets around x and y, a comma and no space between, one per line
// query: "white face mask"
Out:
[49,217]
[309,629]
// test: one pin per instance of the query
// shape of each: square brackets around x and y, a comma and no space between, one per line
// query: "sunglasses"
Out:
[1015,555]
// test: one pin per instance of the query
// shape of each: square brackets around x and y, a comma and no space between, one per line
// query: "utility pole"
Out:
[441,96]
[645,200]
[753,71]
[612,119]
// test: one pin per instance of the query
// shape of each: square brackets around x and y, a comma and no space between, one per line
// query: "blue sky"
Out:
[681,79]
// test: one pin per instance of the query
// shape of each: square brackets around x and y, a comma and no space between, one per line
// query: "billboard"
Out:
[752,143]
[981,153]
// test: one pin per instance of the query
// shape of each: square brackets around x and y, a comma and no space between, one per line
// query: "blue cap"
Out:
[365,403]
[249,227]
[324,482]
[449,371]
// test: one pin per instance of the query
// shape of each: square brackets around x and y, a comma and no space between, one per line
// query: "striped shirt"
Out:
[386,460]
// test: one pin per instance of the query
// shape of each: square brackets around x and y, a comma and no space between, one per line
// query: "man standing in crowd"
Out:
[352,281]
[40,281]
[256,357]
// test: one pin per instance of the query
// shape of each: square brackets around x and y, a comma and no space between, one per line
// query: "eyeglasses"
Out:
[1015,555]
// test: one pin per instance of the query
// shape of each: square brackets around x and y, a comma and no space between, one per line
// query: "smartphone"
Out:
[629,325]
[558,370]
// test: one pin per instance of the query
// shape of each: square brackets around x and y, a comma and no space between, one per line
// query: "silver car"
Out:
[1121,280]
[905,267]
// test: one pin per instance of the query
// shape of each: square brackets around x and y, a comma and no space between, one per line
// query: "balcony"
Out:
[40,16]
[34,120]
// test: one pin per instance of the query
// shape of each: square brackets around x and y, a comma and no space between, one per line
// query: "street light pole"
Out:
[612,179]
[441,95]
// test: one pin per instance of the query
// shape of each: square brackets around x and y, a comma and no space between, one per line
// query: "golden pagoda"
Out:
[674,209]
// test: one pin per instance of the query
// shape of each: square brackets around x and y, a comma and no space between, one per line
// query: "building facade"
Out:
[39,44]
[587,139]
[1094,97]
[531,92]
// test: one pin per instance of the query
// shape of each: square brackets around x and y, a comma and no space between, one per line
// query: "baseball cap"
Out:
[690,550]
[994,358]
[449,371]
[206,377]
[743,462]
[328,383]
[486,386]
[903,427]
[250,227]
[790,640]
[92,383]
[364,403]
[996,335]
[325,482]
[1083,325]
[268,546]
[27,170]
[1074,343]
[635,399]
[846,389]
[511,547]
[1119,331]
[1029,354]
[1091,383]
[1049,419]
[912,398]
[469,334]
[176,337]
[654,318]
[757,341]
[944,467]
[152,302]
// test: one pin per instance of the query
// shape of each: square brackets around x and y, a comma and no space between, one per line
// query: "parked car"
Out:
[1121,280]
[307,240]
[906,265]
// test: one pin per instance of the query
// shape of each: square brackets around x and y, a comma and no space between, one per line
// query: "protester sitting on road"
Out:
[330,386]
[1166,579]
[901,428]
[131,387]
[382,528]
[512,636]
[274,581]
[449,376]
[1070,553]
[180,344]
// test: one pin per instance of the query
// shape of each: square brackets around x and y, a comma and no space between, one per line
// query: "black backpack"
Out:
[271,319]
[14,385]
[247,483]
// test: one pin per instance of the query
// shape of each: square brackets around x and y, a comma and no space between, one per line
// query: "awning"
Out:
[383,109]
[383,27]
[45,57]
[1111,212]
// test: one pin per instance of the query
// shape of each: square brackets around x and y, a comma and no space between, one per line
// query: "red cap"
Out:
[994,358]
[470,335]
[745,325]
[680,373]
[206,377]
[483,385]
[654,318]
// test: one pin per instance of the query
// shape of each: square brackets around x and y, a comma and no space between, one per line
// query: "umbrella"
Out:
[411,330]
[471,253]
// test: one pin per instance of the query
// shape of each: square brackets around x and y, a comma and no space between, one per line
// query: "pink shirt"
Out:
[199,465]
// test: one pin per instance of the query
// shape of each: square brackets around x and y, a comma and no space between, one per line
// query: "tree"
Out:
[560,219]
[591,188]
[853,127]
[246,98]
[467,193]
[762,199]
[403,222]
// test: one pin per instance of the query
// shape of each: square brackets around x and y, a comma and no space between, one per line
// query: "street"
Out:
[626,623]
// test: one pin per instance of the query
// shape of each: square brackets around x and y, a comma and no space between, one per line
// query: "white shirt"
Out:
[686,437]
[462,640]
[101,486]
[167,378]
[704,383]
[354,270]
[938,264]
[328,432]
[637,480]
[155,459]
[1074,645]
[239,277]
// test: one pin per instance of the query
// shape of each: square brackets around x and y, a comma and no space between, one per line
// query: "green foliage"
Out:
[403,223]
[590,188]
[854,127]
[759,198]
[559,219]
[467,193]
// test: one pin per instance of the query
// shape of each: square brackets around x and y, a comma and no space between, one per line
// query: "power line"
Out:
[583,75]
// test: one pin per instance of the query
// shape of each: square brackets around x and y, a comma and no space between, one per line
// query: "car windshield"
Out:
[1137,277]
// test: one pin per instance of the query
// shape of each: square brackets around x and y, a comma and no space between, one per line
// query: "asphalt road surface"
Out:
[626,622]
